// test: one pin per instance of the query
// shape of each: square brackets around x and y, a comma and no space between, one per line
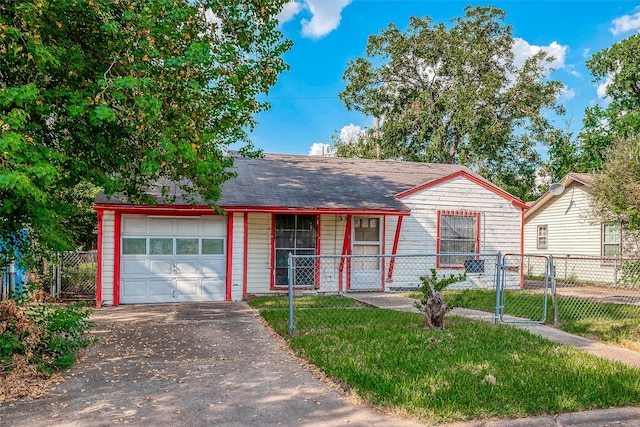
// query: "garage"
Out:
[172,259]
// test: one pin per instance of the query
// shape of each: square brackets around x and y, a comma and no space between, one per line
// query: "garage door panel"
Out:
[159,287]
[133,288]
[134,267]
[160,267]
[213,288]
[177,259]
[214,267]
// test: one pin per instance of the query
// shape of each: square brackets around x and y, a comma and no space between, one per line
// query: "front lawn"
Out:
[471,370]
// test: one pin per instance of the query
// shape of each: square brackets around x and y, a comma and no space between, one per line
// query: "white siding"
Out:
[500,227]
[237,269]
[259,254]
[570,228]
[108,258]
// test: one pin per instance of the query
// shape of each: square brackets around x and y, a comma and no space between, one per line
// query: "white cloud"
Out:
[523,51]
[586,53]
[602,87]
[625,24]
[350,133]
[568,94]
[289,11]
[326,17]
[321,149]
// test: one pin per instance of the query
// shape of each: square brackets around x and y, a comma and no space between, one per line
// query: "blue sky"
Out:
[327,34]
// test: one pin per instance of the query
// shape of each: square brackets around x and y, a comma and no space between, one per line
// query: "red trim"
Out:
[394,250]
[345,250]
[116,258]
[229,296]
[317,272]
[99,264]
[383,249]
[476,180]
[179,210]
[461,213]
[272,257]
[522,248]
[245,251]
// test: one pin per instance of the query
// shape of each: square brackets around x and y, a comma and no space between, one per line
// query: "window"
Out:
[458,233]
[186,246]
[212,246]
[611,238]
[541,241]
[134,246]
[295,234]
[161,246]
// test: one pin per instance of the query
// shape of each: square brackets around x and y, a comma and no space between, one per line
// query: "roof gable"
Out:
[580,179]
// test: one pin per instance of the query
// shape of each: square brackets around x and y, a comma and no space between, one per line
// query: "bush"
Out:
[40,332]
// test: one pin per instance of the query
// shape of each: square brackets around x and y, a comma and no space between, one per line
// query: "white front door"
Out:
[166,259]
[366,265]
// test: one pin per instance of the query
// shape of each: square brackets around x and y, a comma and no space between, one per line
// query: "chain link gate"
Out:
[523,294]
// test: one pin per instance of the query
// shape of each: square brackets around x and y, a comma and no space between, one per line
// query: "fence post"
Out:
[12,279]
[552,276]
[290,280]
[496,314]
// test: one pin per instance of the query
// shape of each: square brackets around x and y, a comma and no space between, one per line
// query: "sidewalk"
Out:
[619,417]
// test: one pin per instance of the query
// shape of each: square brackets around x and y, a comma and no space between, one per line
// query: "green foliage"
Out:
[614,192]
[619,66]
[433,284]
[120,94]
[475,370]
[454,94]
[46,334]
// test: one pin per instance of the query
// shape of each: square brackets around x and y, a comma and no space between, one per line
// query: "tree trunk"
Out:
[434,311]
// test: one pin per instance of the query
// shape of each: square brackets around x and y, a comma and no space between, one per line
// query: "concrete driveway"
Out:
[189,365]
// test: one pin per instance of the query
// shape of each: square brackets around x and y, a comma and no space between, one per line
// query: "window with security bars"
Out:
[541,242]
[295,234]
[459,234]
[611,238]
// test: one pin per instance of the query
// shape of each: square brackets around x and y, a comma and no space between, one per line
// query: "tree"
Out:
[431,303]
[454,95]
[615,192]
[120,94]
[619,68]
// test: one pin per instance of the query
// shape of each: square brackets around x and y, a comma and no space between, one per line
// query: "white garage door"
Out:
[166,259]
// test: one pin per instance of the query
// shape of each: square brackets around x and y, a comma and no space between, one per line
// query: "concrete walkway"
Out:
[618,417]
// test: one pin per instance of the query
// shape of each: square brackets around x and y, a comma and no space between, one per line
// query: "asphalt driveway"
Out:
[190,365]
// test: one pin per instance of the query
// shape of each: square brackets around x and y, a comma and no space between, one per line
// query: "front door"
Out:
[366,264]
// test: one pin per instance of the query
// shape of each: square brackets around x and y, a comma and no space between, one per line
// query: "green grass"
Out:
[311,301]
[471,370]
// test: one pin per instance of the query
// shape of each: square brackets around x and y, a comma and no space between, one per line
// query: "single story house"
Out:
[282,204]
[565,226]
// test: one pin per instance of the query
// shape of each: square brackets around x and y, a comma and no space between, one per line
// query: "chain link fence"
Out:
[572,292]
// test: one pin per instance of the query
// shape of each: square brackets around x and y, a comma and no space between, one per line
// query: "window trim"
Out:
[438,236]
[602,242]
[546,236]
[272,285]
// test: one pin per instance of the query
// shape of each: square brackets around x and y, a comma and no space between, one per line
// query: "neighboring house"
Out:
[303,205]
[566,227]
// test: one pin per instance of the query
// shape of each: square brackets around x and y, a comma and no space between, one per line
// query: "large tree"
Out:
[618,69]
[122,93]
[454,95]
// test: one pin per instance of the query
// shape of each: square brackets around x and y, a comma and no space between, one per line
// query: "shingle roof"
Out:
[312,182]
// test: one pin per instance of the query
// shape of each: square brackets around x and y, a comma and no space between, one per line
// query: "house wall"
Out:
[107,254]
[500,228]
[572,232]
[570,228]
[237,261]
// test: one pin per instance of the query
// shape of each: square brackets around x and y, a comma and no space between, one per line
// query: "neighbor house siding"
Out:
[259,253]
[108,256]
[570,228]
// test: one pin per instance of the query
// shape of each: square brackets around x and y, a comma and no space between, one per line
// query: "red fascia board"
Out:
[178,210]
[464,174]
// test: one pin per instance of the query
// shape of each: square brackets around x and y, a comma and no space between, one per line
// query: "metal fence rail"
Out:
[516,288]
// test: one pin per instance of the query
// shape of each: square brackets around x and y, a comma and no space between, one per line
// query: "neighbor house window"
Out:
[295,234]
[611,238]
[459,234]
[541,242]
